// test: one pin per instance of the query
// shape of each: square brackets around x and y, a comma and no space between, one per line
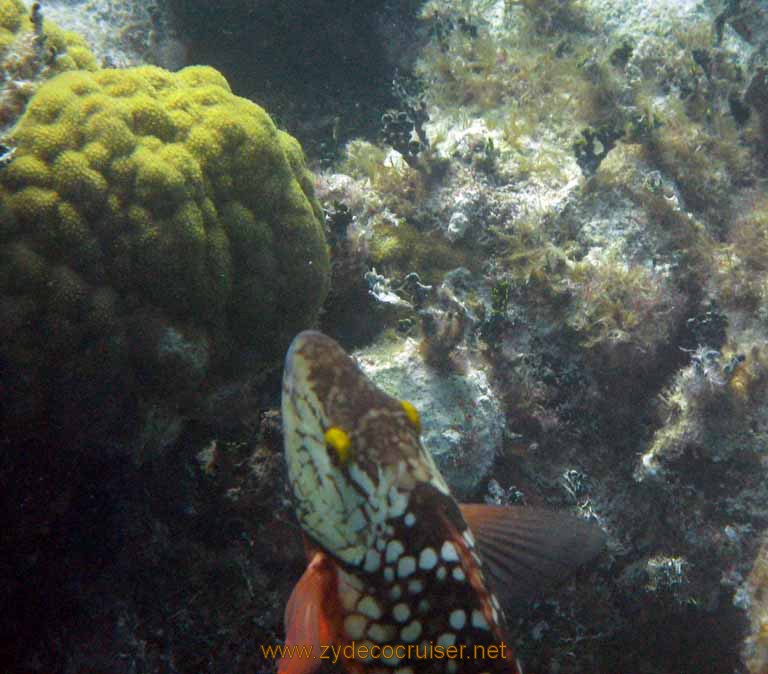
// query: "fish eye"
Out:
[338,440]
[412,413]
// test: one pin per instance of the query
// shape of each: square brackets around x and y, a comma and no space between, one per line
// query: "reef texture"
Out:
[596,168]
[123,33]
[33,50]
[152,226]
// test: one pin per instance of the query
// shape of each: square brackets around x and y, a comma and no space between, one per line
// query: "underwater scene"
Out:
[384,337]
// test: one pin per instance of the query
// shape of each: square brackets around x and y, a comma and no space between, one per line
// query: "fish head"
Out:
[353,453]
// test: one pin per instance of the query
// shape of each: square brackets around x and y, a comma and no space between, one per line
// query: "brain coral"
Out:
[158,218]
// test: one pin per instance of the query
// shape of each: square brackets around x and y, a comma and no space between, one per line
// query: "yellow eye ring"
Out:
[412,413]
[339,441]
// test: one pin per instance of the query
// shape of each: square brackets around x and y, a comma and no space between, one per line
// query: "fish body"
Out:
[397,581]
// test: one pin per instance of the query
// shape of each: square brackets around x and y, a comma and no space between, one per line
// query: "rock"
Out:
[462,419]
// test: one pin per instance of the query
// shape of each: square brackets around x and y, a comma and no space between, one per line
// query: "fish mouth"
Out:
[322,498]
[344,495]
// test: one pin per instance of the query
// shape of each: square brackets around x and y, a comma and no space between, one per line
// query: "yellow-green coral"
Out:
[28,58]
[398,248]
[141,186]
[12,12]
[67,50]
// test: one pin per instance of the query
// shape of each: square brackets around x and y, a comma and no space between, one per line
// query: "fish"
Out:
[401,578]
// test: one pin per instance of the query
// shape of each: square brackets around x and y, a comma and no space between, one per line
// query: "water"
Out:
[563,200]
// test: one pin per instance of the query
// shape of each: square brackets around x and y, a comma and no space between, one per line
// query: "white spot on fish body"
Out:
[448,552]
[457,619]
[392,662]
[399,505]
[357,521]
[372,561]
[446,639]
[362,479]
[395,592]
[389,574]
[368,645]
[401,612]
[458,573]
[469,538]
[478,620]
[441,573]
[368,606]
[381,633]
[354,625]
[353,582]
[427,559]
[405,566]
[411,631]
[415,586]
[394,550]
[349,597]
[410,519]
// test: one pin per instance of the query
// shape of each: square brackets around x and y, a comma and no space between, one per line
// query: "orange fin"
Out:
[307,619]
[524,550]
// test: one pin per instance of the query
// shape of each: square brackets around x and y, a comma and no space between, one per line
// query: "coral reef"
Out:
[567,276]
[617,305]
[32,50]
[708,409]
[742,259]
[606,174]
[138,230]
[123,33]
[159,242]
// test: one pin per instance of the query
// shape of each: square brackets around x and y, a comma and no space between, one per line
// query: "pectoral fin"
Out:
[525,550]
[308,620]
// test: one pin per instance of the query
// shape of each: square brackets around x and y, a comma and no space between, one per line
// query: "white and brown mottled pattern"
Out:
[407,570]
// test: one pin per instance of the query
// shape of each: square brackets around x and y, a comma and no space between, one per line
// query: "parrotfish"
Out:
[401,578]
